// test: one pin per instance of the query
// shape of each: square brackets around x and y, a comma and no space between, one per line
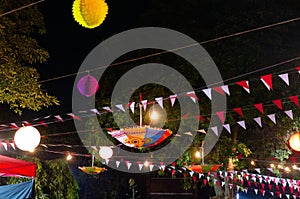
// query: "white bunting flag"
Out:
[141,166]
[191,173]
[215,130]
[225,89]
[144,103]
[227,127]
[285,78]
[223,183]
[272,118]
[107,108]
[258,121]
[132,106]
[257,169]
[95,111]
[120,106]
[160,101]
[256,191]
[4,145]
[193,96]
[128,165]
[59,118]
[207,92]
[106,161]
[173,99]
[13,146]
[242,124]
[118,164]
[290,114]
[151,167]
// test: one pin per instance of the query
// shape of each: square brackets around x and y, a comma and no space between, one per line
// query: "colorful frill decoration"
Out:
[93,170]
[141,137]
[90,13]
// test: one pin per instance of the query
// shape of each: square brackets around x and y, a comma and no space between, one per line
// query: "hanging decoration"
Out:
[294,141]
[141,137]
[92,170]
[88,85]
[27,138]
[89,13]
[106,152]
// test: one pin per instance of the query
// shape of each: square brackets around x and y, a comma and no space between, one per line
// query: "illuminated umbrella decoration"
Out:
[88,85]
[89,13]
[92,170]
[203,168]
[141,137]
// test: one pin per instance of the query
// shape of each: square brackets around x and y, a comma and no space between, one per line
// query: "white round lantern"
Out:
[105,152]
[27,138]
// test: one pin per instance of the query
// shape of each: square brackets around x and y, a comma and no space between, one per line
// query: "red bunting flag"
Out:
[185,116]
[239,111]
[278,103]
[295,100]
[193,96]
[259,107]
[244,84]
[298,69]
[200,117]
[267,80]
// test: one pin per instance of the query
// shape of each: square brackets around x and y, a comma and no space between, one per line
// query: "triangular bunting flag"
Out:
[207,92]
[118,164]
[151,167]
[285,78]
[227,127]
[193,96]
[278,103]
[191,173]
[144,103]
[4,145]
[200,117]
[173,99]
[120,106]
[256,191]
[14,126]
[131,105]
[141,166]
[259,107]
[290,114]
[257,169]
[272,117]
[225,89]
[245,85]
[295,100]
[185,116]
[128,164]
[220,114]
[160,101]
[58,118]
[239,111]
[267,80]
[13,146]
[298,69]
[258,121]
[219,90]
[72,115]
[242,124]
[215,130]
[107,108]
[94,110]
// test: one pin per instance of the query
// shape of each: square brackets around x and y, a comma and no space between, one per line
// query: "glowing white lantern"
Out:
[105,152]
[27,138]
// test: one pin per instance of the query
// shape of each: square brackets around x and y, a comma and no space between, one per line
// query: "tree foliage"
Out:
[19,53]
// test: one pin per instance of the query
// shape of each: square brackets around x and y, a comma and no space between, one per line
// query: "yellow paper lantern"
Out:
[27,138]
[89,13]
[294,141]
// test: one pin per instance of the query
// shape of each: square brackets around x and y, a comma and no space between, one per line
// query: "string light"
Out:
[252,163]
[198,154]
[295,167]
[272,165]
[69,157]
[146,163]
[287,169]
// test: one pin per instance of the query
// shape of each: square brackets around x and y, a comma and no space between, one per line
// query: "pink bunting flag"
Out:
[43,123]
[259,107]
[159,100]
[220,114]
[207,92]
[74,117]
[200,117]
[193,96]
[258,121]
[278,103]
[58,118]
[239,111]
[14,126]
[267,80]
[244,84]
[94,110]
[219,90]
[185,116]
[173,99]
[295,100]
[285,78]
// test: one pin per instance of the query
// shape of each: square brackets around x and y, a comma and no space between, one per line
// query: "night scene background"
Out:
[246,39]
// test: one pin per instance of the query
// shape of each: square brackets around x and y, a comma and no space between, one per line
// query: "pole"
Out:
[141,114]
[202,152]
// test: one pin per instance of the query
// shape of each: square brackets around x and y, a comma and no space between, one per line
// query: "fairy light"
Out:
[287,169]
[252,163]
[295,167]
[280,166]
[272,165]
[69,157]
[198,154]
[146,163]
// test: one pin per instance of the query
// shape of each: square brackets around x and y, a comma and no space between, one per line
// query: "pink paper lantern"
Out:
[87,85]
